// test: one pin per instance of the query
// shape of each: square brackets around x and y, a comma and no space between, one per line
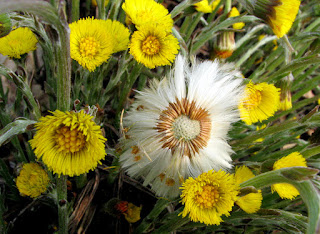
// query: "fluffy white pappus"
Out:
[160,146]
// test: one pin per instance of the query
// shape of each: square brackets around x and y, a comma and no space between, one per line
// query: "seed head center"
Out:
[208,197]
[186,128]
[151,45]
[89,47]
[69,141]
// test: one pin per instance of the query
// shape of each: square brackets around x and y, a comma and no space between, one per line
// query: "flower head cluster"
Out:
[285,190]
[92,41]
[32,180]
[260,102]
[209,196]
[69,143]
[178,127]
[18,42]
[205,7]
[152,44]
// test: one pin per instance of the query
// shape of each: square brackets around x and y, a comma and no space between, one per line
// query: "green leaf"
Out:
[307,190]
[12,129]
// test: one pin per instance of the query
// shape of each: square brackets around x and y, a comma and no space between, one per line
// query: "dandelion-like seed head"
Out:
[18,42]
[178,127]
[69,143]
[260,102]
[32,180]
[288,191]
[184,127]
[209,196]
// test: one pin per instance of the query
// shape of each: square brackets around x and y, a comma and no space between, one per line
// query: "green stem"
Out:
[101,9]
[227,6]
[308,153]
[193,25]
[75,12]
[63,73]
[62,204]
[154,213]
[298,177]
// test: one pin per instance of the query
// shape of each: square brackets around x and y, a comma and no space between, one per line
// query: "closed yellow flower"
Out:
[145,12]
[250,202]
[18,42]
[234,13]
[203,6]
[288,191]
[32,180]
[119,33]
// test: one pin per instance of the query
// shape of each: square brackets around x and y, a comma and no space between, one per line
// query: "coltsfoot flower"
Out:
[233,13]
[178,127]
[119,33]
[145,12]
[90,43]
[288,191]
[18,42]
[209,196]
[203,6]
[69,143]
[32,180]
[261,101]
[250,202]
[153,47]
[279,14]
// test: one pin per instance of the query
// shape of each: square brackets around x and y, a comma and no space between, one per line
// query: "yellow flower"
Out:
[286,103]
[250,202]
[279,14]
[234,13]
[18,42]
[283,16]
[90,43]
[243,174]
[209,196]
[285,190]
[260,102]
[152,46]
[145,12]
[32,180]
[120,34]
[203,6]
[94,2]
[69,143]
[132,214]
[261,36]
